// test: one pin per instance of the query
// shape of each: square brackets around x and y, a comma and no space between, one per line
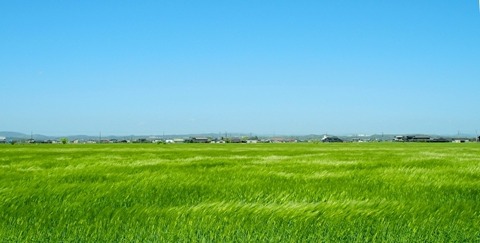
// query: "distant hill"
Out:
[13,135]
[21,136]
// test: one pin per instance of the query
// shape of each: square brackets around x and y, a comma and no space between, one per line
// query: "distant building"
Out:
[3,139]
[420,138]
[331,139]
[461,140]
[277,140]
[199,140]
[439,140]
[217,140]
[235,140]
[178,140]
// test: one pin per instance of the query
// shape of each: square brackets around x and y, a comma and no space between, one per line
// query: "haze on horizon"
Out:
[289,67]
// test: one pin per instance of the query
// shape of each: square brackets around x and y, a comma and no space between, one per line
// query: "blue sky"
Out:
[262,67]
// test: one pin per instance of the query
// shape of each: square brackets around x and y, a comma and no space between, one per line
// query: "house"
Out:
[461,140]
[413,138]
[331,139]
[277,140]
[199,140]
[178,140]
[418,138]
[3,139]
[235,140]
[439,140]
[217,140]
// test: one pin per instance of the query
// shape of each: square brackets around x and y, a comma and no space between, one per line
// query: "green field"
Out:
[394,192]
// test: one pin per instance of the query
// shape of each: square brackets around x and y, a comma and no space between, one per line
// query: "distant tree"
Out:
[64,140]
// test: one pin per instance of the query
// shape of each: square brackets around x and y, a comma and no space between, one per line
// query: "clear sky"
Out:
[253,66]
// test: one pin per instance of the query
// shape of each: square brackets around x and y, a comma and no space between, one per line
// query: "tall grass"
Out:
[240,192]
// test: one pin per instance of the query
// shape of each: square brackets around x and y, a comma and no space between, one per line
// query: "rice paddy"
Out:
[392,192]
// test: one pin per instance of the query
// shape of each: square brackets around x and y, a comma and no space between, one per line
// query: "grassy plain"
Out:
[240,192]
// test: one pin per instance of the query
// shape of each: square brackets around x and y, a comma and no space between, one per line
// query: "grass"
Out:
[240,192]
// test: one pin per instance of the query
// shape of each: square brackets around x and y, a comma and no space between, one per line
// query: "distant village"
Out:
[243,139]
